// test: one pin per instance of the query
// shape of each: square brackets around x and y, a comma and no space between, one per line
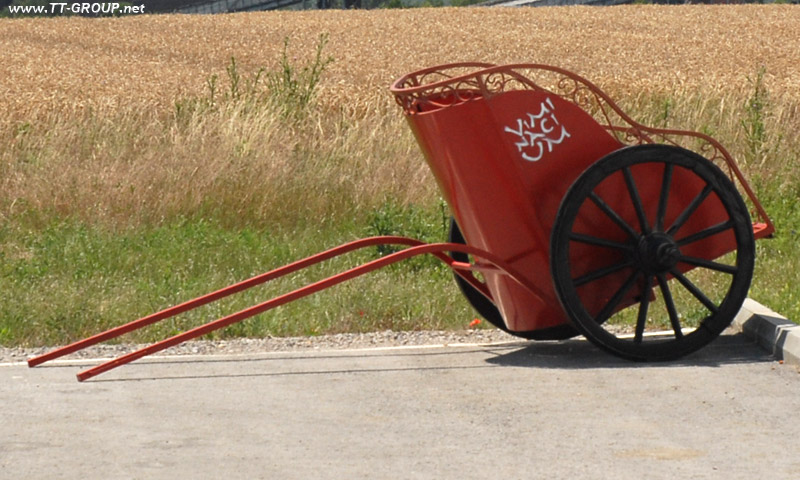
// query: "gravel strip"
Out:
[342,341]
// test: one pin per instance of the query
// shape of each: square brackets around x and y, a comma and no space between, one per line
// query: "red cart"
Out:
[568,217]
[599,212]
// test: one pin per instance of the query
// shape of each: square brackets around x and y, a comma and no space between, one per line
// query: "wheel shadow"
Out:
[727,349]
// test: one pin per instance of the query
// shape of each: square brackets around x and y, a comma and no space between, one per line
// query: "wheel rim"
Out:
[648,292]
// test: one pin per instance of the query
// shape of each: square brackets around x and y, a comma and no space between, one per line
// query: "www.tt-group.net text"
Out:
[85,8]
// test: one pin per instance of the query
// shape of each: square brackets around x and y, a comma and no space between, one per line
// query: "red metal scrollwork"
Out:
[424,90]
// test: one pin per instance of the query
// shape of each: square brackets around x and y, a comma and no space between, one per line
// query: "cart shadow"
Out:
[297,359]
[581,354]
[575,353]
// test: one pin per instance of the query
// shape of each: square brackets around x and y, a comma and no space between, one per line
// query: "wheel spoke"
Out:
[670,303]
[702,234]
[702,262]
[613,215]
[692,288]
[664,197]
[600,273]
[643,307]
[689,210]
[600,242]
[608,309]
[636,199]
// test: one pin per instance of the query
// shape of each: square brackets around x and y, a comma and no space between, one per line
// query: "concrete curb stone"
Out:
[770,330]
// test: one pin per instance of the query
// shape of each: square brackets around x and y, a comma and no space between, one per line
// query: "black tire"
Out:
[487,309]
[642,262]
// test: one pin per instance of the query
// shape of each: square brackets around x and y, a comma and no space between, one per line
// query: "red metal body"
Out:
[506,142]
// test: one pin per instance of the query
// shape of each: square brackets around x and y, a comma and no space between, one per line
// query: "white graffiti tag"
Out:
[537,133]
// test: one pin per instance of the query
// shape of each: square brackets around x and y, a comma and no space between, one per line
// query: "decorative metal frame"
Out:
[449,85]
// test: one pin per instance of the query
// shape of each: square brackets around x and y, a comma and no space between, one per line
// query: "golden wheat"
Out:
[76,63]
[89,128]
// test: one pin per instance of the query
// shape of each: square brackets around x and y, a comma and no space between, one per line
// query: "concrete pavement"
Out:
[516,410]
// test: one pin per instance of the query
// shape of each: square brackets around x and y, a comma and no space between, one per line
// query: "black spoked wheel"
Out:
[652,252]
[487,309]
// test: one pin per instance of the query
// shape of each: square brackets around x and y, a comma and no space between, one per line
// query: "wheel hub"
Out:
[657,252]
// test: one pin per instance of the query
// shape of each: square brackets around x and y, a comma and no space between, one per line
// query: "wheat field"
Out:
[75,63]
[90,99]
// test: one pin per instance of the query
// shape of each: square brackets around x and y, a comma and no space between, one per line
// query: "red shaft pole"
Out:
[211,297]
[436,249]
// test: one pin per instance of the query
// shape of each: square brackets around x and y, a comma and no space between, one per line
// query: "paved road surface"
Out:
[540,410]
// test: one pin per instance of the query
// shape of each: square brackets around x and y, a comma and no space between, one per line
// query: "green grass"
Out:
[69,280]
[776,282]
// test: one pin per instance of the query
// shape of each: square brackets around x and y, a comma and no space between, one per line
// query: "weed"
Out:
[293,88]
[211,83]
[425,224]
[754,121]
[289,89]
[668,104]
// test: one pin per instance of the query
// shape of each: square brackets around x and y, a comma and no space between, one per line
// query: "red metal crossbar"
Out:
[414,248]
